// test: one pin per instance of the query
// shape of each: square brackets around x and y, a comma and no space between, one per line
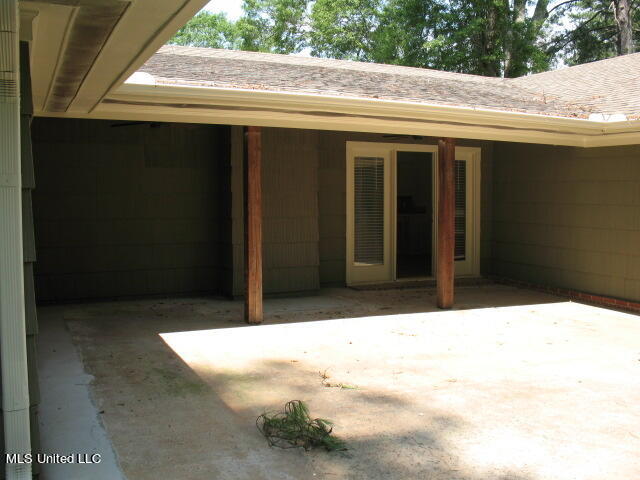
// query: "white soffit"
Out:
[82,49]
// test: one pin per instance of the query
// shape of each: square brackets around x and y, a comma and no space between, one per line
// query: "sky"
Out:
[233,8]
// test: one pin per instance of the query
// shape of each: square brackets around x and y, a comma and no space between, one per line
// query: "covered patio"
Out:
[510,384]
[153,201]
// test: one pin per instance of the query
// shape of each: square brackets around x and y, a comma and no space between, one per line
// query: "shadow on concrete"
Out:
[202,313]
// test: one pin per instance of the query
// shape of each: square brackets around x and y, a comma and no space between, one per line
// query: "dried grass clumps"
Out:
[293,427]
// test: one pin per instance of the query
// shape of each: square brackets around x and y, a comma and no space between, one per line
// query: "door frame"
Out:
[471,266]
[389,151]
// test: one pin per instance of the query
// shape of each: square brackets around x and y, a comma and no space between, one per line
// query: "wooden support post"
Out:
[446,221]
[253,224]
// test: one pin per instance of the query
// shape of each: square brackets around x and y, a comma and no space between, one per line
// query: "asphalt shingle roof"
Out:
[572,92]
[607,86]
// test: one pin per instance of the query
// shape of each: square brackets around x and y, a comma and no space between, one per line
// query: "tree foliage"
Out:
[594,32]
[488,37]
[276,26]
[211,30]
[344,28]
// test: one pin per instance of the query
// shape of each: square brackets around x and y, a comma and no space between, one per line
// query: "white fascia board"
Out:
[136,101]
[345,104]
[614,139]
[356,124]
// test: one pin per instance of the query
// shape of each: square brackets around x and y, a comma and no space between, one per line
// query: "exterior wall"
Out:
[234,265]
[290,211]
[568,217]
[134,210]
[290,180]
[332,199]
[137,210]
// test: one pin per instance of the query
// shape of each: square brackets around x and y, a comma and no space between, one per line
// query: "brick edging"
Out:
[573,294]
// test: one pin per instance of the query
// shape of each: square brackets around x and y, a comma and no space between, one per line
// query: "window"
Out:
[461,209]
[369,210]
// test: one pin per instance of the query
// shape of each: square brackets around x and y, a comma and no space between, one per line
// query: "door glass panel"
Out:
[461,210]
[369,210]
[414,229]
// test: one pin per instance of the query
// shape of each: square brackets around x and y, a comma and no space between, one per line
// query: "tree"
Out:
[524,52]
[507,38]
[598,29]
[456,36]
[624,23]
[344,28]
[405,29]
[478,37]
[276,26]
[211,30]
[266,26]
[486,37]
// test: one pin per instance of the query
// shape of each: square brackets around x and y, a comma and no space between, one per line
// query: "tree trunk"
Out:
[522,33]
[624,23]
[512,60]
[489,65]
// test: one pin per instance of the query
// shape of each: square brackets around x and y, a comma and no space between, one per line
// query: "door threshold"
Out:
[420,283]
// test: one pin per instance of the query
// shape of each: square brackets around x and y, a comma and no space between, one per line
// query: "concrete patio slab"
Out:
[513,384]
[69,420]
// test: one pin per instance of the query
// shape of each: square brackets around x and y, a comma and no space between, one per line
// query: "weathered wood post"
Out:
[446,221]
[253,224]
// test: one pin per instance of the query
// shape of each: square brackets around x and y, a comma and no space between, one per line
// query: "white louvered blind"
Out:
[461,209]
[369,210]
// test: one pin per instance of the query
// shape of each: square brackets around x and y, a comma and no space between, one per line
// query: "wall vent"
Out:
[8,88]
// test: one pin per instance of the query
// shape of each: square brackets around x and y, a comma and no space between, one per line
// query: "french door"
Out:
[374,210]
[369,214]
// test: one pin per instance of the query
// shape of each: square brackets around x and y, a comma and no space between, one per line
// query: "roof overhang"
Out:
[82,49]
[169,103]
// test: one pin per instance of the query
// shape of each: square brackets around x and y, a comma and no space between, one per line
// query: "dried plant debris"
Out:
[326,383]
[406,334]
[293,427]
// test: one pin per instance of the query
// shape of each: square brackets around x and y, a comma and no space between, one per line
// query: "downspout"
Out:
[13,352]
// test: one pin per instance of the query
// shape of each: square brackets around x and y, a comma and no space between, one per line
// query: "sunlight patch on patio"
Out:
[508,389]
[514,384]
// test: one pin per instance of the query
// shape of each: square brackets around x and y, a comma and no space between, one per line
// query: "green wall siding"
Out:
[290,211]
[130,210]
[140,210]
[568,217]
[332,199]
